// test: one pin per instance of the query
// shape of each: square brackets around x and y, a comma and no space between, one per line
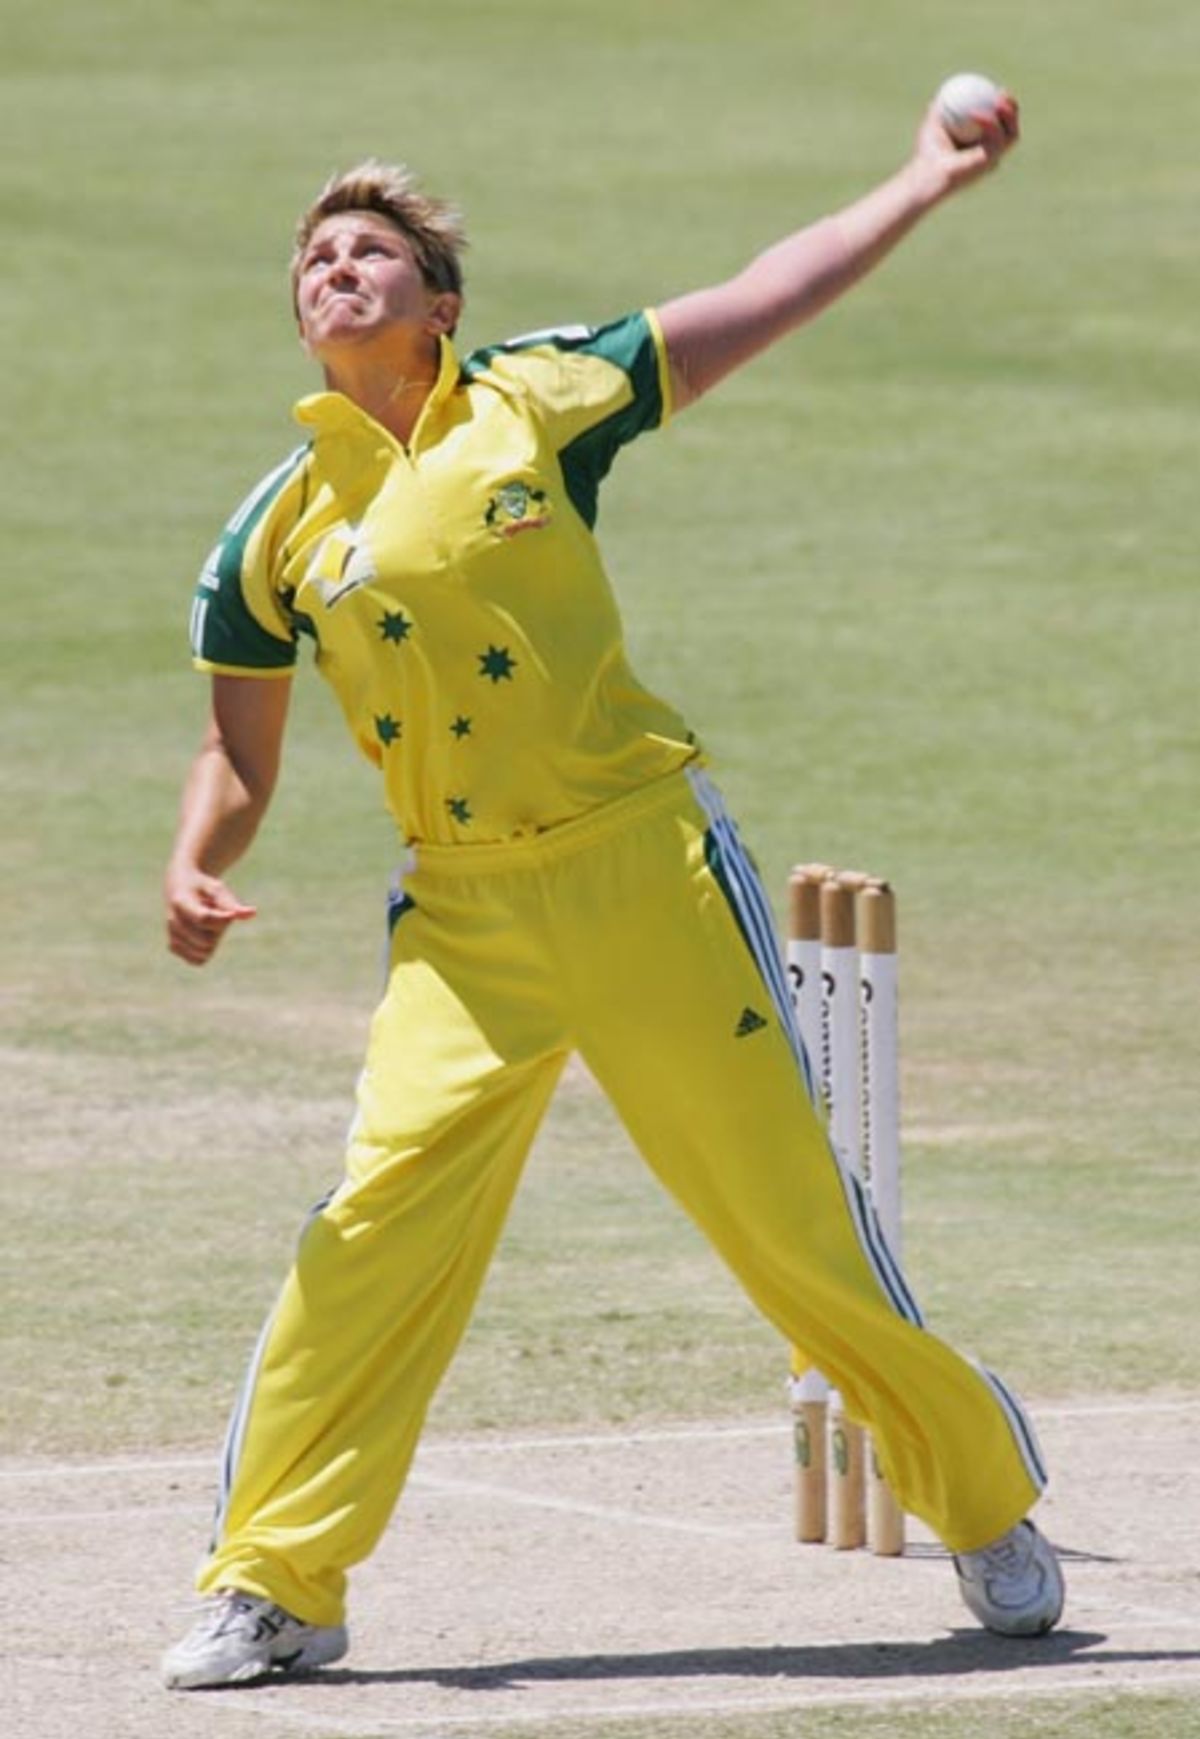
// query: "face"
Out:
[357,279]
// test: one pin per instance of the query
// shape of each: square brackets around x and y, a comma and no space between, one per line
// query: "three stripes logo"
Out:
[750,1022]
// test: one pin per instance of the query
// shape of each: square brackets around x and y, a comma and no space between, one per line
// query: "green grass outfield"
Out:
[1147,1718]
[924,580]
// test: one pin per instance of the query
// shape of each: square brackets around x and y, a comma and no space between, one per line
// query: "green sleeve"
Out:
[238,622]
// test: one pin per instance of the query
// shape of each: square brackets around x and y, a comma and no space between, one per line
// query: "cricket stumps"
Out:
[841,958]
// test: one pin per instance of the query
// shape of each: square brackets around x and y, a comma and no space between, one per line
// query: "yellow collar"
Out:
[328,412]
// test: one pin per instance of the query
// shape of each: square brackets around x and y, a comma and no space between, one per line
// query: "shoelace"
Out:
[216,1610]
[1008,1557]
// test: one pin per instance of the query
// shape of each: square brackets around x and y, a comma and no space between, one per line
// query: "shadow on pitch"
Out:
[957,1655]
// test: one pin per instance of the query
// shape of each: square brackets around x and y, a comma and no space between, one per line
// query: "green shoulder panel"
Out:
[631,344]
[237,622]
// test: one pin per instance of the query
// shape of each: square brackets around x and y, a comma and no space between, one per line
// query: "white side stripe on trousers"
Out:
[235,1434]
[753,910]
[740,881]
[1020,1425]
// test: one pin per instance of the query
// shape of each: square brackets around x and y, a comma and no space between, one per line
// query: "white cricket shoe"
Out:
[1014,1586]
[242,1637]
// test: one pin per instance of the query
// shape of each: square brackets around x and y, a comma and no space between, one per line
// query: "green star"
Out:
[461,727]
[387,729]
[497,662]
[394,626]
[459,808]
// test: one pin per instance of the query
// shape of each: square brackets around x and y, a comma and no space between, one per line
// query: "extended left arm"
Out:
[711,332]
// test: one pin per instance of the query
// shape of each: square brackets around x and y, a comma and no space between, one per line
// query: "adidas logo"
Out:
[751,1022]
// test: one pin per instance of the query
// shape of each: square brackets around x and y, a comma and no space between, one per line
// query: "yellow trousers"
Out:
[640,937]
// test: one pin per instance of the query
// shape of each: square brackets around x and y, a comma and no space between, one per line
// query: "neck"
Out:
[391,389]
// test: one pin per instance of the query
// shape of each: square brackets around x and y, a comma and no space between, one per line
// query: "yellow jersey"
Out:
[454,589]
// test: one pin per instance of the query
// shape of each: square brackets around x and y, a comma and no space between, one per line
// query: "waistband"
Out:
[530,851]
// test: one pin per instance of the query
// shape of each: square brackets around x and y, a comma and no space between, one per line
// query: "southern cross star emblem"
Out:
[497,663]
[395,626]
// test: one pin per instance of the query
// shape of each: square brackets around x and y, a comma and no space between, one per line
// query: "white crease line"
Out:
[483,1444]
[1119,1624]
[509,1495]
[98,1469]
[117,1514]
[611,1439]
[782,1427]
[1107,1409]
[601,1512]
[499,1444]
[689,1709]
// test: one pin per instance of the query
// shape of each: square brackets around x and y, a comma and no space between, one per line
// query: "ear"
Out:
[444,313]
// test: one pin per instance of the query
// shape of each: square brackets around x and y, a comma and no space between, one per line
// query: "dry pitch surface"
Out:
[560,1582]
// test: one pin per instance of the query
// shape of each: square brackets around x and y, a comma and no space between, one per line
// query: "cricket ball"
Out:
[961,99]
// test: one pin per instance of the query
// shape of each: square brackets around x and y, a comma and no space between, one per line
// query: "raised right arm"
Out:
[225,797]
[710,332]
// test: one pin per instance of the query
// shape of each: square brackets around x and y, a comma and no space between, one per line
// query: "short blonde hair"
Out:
[433,228]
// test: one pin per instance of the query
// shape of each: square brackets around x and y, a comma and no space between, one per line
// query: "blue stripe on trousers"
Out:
[740,882]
